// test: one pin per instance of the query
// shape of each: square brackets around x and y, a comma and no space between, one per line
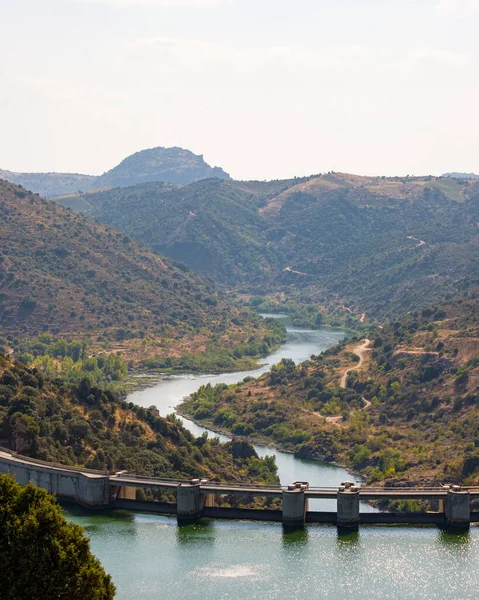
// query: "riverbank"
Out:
[142,380]
[265,443]
[300,345]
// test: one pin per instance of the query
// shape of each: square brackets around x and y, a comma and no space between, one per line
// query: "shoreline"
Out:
[263,443]
[143,380]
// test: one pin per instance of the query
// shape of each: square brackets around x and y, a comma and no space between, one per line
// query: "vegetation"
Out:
[174,165]
[303,312]
[238,356]
[71,361]
[64,275]
[49,184]
[86,426]
[377,245]
[213,226]
[42,555]
[409,413]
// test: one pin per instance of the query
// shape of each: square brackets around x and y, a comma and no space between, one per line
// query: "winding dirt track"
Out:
[360,351]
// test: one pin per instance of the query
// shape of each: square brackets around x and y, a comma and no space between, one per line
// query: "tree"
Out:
[41,554]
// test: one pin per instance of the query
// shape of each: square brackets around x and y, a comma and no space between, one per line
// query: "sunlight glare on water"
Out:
[150,557]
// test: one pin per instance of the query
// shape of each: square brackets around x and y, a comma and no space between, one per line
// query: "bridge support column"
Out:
[127,493]
[458,508]
[295,505]
[348,506]
[189,501]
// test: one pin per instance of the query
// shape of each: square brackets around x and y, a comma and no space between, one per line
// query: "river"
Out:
[149,557]
[300,345]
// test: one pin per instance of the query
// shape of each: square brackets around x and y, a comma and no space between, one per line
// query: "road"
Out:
[360,351]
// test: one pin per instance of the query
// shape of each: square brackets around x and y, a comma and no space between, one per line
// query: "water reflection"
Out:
[454,540]
[347,540]
[295,538]
[196,533]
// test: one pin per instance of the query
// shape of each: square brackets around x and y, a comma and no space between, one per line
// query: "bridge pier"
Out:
[190,502]
[348,506]
[457,510]
[295,505]
[127,493]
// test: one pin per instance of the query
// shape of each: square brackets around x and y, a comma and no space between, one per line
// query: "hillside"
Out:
[377,245]
[171,165]
[402,407]
[462,175]
[213,226]
[85,426]
[62,274]
[50,184]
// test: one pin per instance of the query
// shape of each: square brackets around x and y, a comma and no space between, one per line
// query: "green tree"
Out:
[42,556]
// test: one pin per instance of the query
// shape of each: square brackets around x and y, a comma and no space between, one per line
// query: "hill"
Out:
[377,245]
[408,410]
[462,175]
[171,165]
[213,226]
[85,426]
[50,184]
[71,277]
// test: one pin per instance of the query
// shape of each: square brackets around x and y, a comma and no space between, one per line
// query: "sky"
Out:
[266,89]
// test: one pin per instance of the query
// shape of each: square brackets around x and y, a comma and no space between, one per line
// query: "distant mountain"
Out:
[50,184]
[171,165]
[462,175]
[375,244]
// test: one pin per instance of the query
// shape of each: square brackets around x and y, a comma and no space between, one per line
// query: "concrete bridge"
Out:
[196,498]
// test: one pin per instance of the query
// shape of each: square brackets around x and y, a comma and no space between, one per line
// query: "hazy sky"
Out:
[264,88]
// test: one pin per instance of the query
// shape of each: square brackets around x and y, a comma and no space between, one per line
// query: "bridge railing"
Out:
[133,477]
[255,486]
[52,464]
[473,489]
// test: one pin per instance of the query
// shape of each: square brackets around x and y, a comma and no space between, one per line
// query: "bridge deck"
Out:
[124,479]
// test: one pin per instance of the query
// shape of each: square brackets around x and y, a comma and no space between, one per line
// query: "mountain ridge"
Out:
[170,165]
[380,245]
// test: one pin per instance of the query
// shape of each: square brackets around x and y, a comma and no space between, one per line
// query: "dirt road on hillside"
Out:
[360,351]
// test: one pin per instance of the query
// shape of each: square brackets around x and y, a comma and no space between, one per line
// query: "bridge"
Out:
[193,499]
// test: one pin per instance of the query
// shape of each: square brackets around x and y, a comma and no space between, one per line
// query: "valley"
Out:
[376,245]
[160,285]
[65,279]
[384,407]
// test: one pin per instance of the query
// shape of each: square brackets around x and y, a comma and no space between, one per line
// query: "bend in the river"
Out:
[300,345]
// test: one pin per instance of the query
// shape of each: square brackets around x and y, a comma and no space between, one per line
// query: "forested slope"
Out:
[71,277]
[380,245]
[86,426]
[409,413]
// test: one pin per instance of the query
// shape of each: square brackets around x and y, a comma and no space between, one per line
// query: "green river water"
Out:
[150,557]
